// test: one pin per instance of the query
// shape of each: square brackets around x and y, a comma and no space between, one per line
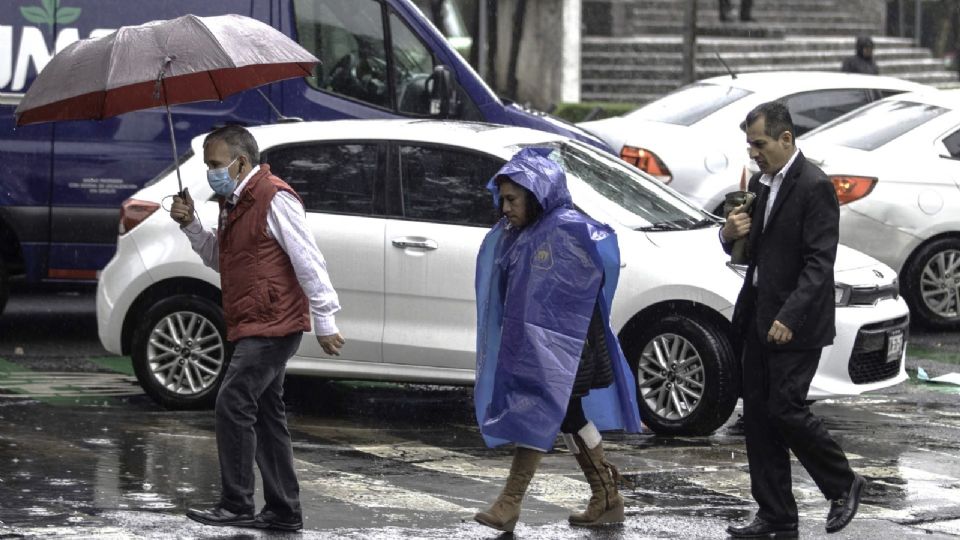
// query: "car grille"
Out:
[868,363]
[868,296]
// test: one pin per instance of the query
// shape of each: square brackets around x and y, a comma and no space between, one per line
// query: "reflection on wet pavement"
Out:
[406,461]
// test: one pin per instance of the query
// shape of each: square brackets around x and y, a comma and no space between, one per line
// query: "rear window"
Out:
[689,104]
[877,124]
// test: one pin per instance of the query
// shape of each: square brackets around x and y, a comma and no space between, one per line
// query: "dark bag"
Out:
[738,254]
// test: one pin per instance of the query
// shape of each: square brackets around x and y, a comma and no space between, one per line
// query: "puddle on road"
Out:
[413,456]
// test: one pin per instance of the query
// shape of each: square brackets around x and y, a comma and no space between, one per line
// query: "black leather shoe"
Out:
[761,528]
[268,519]
[843,509]
[221,516]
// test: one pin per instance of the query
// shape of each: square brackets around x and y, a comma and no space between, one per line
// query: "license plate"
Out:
[894,345]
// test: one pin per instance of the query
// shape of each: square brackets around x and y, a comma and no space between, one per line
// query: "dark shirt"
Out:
[857,64]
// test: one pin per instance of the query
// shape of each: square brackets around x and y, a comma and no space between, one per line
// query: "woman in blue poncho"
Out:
[547,359]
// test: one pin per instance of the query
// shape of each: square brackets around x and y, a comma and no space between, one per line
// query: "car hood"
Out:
[852,267]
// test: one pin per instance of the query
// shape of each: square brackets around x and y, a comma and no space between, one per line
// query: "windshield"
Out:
[640,202]
[875,125]
[689,104]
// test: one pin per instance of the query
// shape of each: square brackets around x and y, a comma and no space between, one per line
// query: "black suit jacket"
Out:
[795,254]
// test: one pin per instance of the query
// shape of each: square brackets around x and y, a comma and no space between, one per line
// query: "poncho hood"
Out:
[530,168]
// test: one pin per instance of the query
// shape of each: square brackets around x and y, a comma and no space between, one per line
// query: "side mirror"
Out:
[442,90]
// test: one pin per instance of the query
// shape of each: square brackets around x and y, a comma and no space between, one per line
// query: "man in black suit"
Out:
[783,318]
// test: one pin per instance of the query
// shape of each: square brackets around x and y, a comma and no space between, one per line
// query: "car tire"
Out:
[688,380]
[931,284]
[181,353]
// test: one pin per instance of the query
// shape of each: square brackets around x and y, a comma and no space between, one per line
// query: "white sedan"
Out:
[691,138]
[896,165]
[399,210]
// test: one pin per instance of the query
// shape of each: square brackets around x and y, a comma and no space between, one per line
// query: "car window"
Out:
[640,201]
[446,185]
[952,144]
[811,109]
[689,104]
[336,178]
[876,124]
[412,65]
[347,37]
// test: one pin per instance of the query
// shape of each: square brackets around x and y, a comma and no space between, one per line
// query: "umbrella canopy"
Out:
[161,63]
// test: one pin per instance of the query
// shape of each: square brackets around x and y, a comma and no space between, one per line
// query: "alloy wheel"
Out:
[670,376]
[185,353]
[940,284]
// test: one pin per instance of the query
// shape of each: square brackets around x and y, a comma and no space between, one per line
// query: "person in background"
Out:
[746,6]
[783,318]
[547,358]
[274,281]
[862,61]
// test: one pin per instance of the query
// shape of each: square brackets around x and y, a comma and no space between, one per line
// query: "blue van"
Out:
[63,183]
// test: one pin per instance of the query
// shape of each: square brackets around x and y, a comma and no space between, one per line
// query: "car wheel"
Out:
[687,378]
[931,284]
[180,352]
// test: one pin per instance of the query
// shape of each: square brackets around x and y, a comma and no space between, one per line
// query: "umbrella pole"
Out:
[173,143]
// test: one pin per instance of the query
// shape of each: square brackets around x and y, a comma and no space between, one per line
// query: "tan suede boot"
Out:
[606,503]
[505,512]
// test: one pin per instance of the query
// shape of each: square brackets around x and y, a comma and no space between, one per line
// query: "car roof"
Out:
[948,99]
[763,81]
[490,138]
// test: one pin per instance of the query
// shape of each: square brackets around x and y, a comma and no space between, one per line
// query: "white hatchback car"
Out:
[896,164]
[691,137]
[399,209]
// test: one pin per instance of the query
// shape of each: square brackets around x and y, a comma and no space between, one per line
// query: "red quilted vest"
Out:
[261,294]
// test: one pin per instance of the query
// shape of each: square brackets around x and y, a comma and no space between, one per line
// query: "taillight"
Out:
[133,212]
[647,162]
[851,188]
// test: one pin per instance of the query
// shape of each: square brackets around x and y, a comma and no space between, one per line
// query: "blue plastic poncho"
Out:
[536,292]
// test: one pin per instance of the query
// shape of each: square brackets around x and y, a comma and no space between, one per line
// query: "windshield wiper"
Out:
[662,226]
[705,222]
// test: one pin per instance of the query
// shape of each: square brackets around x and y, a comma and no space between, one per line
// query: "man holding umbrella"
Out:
[274,279]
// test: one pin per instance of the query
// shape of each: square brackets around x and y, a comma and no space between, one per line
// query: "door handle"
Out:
[416,242]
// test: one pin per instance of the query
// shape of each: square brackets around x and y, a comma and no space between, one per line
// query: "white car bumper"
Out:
[123,276]
[857,360]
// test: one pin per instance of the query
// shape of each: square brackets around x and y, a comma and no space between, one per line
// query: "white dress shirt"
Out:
[773,182]
[287,224]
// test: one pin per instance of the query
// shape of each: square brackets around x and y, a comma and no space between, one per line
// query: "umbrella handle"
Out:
[162,96]
[173,144]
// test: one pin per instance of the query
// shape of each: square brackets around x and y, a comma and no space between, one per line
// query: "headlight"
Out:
[841,294]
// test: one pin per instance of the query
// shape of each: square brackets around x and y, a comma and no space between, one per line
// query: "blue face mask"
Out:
[220,181]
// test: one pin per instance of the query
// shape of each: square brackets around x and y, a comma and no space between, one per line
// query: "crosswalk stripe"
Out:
[553,488]
[67,384]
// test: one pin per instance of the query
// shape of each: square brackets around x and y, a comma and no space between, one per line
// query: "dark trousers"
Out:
[745,7]
[777,420]
[575,419]
[251,425]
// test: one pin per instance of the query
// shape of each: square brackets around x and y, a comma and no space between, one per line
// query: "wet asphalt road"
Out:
[83,453]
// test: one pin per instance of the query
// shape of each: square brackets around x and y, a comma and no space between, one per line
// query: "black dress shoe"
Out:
[843,509]
[761,528]
[268,519]
[221,516]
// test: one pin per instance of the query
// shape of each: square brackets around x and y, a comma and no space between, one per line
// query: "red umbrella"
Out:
[162,63]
